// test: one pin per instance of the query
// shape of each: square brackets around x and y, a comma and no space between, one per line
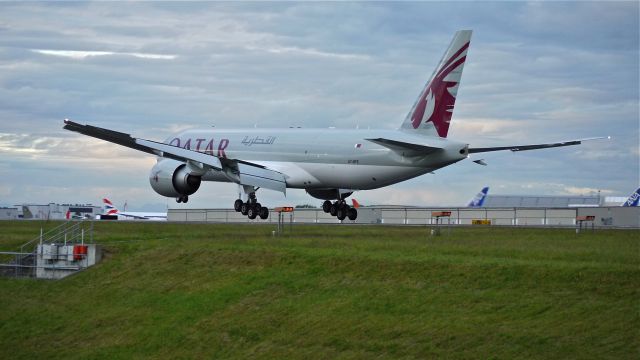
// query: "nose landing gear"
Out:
[182,199]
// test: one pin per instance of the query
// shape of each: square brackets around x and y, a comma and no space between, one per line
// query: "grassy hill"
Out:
[345,292]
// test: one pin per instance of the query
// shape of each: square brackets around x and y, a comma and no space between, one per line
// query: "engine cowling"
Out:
[172,178]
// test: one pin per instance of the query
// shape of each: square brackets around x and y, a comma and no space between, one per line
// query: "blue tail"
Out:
[478,200]
[633,199]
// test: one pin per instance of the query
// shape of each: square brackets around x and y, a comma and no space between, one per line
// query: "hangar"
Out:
[540,201]
[8,213]
[546,201]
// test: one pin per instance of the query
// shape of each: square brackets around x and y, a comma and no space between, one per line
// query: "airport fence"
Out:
[612,216]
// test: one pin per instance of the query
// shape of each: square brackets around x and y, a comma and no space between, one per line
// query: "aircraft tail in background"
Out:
[478,200]
[26,213]
[633,199]
[109,208]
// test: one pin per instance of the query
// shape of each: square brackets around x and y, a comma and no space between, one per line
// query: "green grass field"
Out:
[330,292]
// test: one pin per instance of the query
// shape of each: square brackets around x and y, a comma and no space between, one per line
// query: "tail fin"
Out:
[633,199]
[109,209]
[26,213]
[431,113]
[355,203]
[478,200]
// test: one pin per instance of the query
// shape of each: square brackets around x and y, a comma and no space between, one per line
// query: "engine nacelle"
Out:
[172,178]
[329,194]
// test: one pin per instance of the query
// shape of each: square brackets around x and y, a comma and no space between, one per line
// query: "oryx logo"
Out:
[436,106]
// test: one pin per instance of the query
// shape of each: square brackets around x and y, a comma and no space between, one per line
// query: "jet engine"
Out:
[172,178]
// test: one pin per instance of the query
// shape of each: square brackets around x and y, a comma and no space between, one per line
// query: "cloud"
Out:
[536,72]
[293,50]
[79,55]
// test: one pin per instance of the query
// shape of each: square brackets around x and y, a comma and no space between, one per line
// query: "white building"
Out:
[53,211]
[7,213]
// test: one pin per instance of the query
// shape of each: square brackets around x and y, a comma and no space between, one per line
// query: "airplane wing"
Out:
[533,147]
[137,217]
[247,173]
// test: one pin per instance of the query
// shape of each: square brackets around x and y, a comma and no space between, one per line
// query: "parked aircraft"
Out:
[355,203]
[330,164]
[110,209]
[478,200]
[633,199]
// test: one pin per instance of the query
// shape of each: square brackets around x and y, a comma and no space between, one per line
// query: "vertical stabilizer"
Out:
[109,208]
[26,212]
[633,199]
[478,200]
[431,113]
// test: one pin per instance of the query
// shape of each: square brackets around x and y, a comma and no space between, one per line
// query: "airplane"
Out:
[329,164]
[110,209]
[478,200]
[633,199]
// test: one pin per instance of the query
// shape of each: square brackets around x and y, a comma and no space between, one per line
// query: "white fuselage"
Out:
[324,158]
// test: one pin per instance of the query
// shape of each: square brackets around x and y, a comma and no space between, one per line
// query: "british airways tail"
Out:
[633,199]
[478,200]
[109,208]
[432,111]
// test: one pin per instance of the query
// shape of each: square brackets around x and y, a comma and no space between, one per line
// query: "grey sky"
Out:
[540,71]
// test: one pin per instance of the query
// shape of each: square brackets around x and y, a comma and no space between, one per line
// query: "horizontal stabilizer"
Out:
[407,149]
[532,147]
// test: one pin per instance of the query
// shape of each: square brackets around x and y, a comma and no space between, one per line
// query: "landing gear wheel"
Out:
[252,213]
[333,210]
[326,206]
[352,214]
[182,199]
[244,208]
[341,213]
[264,213]
[237,205]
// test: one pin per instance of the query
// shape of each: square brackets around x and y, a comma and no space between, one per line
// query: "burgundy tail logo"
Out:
[436,106]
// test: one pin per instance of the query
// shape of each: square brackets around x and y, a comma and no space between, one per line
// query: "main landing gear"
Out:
[251,208]
[182,199]
[340,209]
